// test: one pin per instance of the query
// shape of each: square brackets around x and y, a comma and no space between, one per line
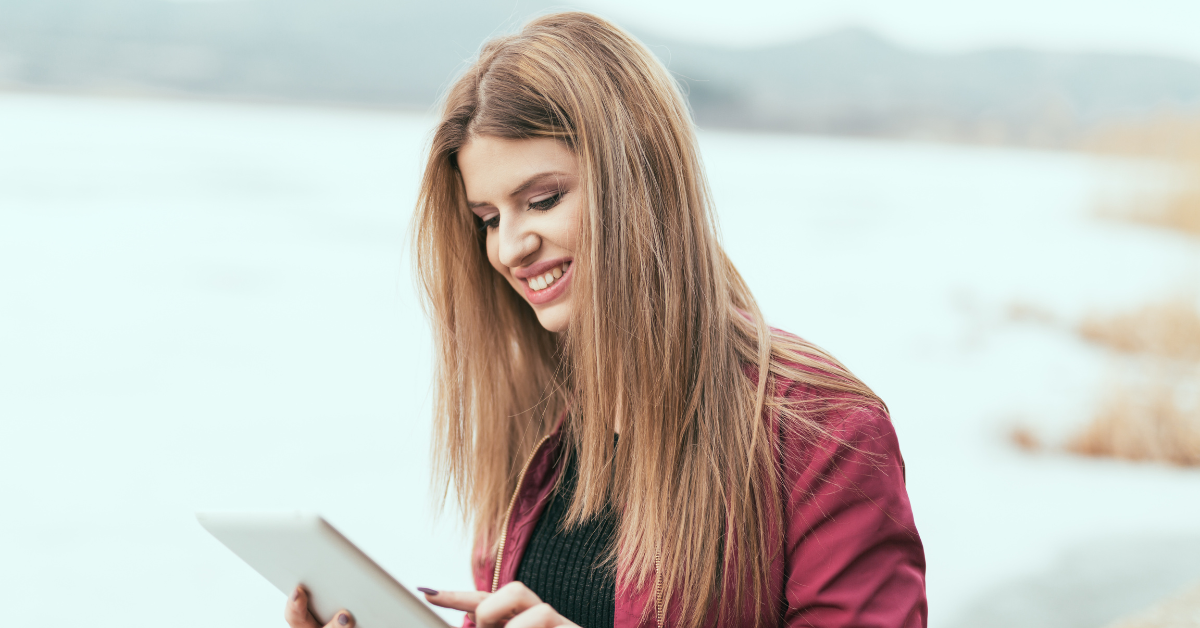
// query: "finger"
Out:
[539,616]
[296,610]
[458,600]
[341,619]
[506,603]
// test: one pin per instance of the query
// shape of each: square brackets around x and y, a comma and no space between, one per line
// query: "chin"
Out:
[554,318]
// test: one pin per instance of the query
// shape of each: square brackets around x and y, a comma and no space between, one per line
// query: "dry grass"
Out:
[1179,211]
[1152,411]
[1170,329]
[1026,312]
[1024,438]
[1178,611]
[1171,137]
[1155,421]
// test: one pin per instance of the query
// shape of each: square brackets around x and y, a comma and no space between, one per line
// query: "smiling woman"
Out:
[525,193]
[566,246]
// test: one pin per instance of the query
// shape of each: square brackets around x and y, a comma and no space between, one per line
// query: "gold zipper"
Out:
[658,605]
[512,502]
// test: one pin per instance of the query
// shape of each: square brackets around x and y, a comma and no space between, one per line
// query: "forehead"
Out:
[493,167]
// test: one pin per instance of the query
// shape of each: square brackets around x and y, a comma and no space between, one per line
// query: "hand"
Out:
[298,616]
[512,606]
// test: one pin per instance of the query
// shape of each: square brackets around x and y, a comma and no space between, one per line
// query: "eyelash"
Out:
[545,204]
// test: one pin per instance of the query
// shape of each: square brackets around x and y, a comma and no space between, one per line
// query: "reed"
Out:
[1178,210]
[1173,138]
[1168,329]
[1181,610]
[1156,420]
[1024,438]
[1152,408]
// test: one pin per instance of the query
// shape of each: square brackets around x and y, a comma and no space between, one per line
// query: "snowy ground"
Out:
[209,307]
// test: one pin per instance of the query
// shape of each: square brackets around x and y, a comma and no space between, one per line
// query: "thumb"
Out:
[458,600]
[341,619]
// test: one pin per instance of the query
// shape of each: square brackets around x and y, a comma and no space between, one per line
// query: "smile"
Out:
[541,282]
[548,284]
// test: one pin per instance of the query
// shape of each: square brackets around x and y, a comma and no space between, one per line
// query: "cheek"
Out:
[567,231]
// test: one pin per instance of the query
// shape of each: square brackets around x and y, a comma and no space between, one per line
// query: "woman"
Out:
[580,298]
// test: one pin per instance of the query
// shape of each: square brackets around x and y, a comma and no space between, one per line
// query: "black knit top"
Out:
[565,569]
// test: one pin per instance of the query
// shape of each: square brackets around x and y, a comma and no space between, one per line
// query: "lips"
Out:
[545,281]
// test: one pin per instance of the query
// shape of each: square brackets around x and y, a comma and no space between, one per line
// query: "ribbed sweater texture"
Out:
[565,567]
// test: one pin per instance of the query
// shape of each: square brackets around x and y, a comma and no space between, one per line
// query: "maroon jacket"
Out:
[850,554]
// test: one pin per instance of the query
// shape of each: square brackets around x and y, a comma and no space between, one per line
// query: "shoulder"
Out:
[853,448]
[834,433]
[852,553]
[814,417]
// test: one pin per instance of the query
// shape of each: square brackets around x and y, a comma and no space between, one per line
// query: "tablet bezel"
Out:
[304,549]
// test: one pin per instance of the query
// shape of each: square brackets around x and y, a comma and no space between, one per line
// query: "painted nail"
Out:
[343,619]
[427,591]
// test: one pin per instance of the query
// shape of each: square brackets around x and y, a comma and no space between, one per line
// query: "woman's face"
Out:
[526,194]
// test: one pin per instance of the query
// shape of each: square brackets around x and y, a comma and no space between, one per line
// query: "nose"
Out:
[517,241]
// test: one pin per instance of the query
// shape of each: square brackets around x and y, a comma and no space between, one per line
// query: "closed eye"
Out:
[541,205]
[548,202]
[490,223]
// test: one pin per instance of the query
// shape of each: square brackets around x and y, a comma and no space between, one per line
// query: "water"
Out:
[209,307]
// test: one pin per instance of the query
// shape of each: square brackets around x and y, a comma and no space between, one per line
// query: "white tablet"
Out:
[295,549]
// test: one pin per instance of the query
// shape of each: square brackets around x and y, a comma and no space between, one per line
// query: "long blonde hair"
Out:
[665,333]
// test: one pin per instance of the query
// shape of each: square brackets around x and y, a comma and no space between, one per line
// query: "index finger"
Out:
[458,600]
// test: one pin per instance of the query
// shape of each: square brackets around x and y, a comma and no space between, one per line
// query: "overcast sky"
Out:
[1169,27]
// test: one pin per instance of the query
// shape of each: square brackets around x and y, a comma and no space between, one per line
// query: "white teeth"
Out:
[541,282]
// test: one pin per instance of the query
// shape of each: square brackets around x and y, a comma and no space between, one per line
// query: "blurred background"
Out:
[990,211]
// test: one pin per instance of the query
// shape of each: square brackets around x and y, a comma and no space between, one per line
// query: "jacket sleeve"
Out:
[852,554]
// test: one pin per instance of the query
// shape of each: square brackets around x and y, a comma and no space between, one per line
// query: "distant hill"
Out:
[853,82]
[402,53]
[377,52]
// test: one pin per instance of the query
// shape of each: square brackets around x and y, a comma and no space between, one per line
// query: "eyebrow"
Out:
[521,188]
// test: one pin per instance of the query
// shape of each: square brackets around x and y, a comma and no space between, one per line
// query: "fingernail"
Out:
[296,594]
[427,591]
[343,619]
